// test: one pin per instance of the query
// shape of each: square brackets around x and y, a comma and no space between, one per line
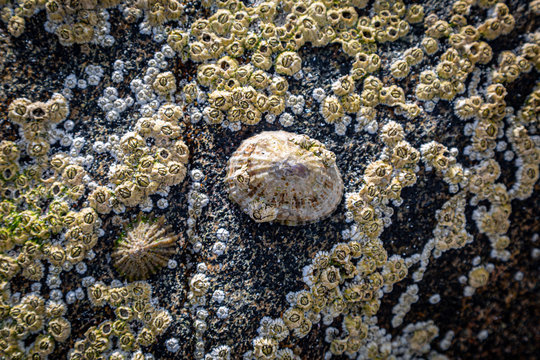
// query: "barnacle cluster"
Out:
[40,224]
[243,93]
[144,248]
[420,335]
[144,170]
[528,113]
[437,156]
[450,232]
[234,63]
[36,119]
[31,315]
[82,22]
[73,22]
[198,288]
[384,179]
[390,23]
[241,104]
[383,182]
[117,338]
[37,208]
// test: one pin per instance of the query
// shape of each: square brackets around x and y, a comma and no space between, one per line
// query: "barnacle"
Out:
[16,26]
[144,249]
[343,86]
[421,336]
[399,69]
[265,348]
[59,328]
[165,83]
[430,45]
[248,68]
[100,200]
[293,317]
[199,284]
[288,63]
[331,109]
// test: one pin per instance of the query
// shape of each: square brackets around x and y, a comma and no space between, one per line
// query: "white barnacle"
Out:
[222,312]
[218,248]
[222,234]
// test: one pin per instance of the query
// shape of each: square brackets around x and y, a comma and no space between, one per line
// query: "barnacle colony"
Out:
[284,177]
[249,61]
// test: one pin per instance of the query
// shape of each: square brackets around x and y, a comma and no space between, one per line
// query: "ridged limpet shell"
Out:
[284,177]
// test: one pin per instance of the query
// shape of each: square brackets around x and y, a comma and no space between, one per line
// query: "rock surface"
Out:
[256,265]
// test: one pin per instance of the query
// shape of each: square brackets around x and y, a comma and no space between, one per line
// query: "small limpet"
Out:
[284,177]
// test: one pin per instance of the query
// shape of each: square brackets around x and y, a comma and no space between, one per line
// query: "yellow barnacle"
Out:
[413,56]
[415,13]
[165,83]
[279,85]
[399,69]
[145,337]
[259,79]
[82,33]
[171,112]
[351,103]
[59,328]
[264,62]
[127,341]
[75,253]
[338,346]
[340,253]
[343,86]
[220,100]
[293,317]
[73,174]
[198,51]
[478,277]
[99,199]
[177,40]
[331,109]
[330,277]
[98,294]
[431,45]
[251,116]
[38,148]
[276,104]
[265,348]
[16,25]
[57,108]
[43,345]
[161,322]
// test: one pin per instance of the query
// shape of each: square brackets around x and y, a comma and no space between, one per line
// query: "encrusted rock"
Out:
[284,177]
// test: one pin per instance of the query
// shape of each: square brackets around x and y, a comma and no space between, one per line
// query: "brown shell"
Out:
[284,177]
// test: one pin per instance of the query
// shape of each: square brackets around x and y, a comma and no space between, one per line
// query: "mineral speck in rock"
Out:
[284,177]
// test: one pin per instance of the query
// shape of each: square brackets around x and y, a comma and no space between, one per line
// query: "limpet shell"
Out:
[284,177]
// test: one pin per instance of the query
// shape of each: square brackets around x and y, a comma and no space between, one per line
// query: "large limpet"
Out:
[284,177]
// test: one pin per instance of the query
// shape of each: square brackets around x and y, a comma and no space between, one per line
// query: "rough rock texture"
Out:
[264,261]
